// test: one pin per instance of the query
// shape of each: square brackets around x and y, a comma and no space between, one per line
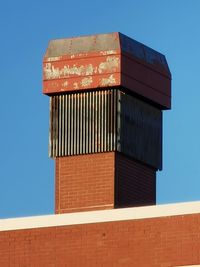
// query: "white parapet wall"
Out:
[101,216]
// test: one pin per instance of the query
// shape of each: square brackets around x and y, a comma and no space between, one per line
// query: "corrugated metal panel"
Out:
[140,131]
[82,123]
[119,122]
[105,120]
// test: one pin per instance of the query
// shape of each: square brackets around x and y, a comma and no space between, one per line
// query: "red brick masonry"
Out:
[101,181]
[85,182]
[162,241]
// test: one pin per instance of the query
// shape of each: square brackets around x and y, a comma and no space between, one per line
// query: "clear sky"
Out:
[170,26]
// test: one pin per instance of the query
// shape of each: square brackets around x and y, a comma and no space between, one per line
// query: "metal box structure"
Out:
[103,121]
[107,93]
[107,60]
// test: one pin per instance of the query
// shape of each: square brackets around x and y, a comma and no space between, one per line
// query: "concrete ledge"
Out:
[100,216]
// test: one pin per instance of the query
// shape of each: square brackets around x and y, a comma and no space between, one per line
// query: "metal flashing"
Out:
[102,216]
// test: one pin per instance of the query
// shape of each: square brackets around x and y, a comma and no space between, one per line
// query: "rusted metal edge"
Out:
[105,43]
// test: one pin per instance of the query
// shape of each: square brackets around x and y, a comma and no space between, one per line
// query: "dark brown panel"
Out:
[145,75]
[141,89]
[140,131]
[135,183]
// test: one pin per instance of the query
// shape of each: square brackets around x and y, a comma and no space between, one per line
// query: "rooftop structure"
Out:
[107,95]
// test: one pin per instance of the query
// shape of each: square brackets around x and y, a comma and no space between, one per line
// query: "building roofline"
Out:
[102,216]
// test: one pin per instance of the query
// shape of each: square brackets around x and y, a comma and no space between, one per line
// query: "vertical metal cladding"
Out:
[105,120]
[82,123]
[141,131]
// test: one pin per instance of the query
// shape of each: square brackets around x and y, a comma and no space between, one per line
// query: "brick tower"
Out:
[107,93]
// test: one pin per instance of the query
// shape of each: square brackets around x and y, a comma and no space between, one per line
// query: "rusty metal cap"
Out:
[105,60]
[107,42]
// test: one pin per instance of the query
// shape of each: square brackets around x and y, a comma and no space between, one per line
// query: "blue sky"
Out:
[170,26]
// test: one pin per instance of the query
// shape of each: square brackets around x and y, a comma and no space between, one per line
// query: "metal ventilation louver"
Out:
[102,121]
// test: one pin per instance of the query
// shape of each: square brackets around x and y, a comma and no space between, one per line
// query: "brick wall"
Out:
[102,181]
[165,241]
[85,182]
[135,183]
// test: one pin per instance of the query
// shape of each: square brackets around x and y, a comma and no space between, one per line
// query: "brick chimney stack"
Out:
[107,93]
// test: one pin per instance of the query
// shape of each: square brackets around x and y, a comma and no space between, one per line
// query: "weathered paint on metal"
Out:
[105,120]
[60,76]
[83,45]
[106,60]
[81,83]
[84,67]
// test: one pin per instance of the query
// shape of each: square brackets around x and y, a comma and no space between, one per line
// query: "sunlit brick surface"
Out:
[166,241]
[85,182]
